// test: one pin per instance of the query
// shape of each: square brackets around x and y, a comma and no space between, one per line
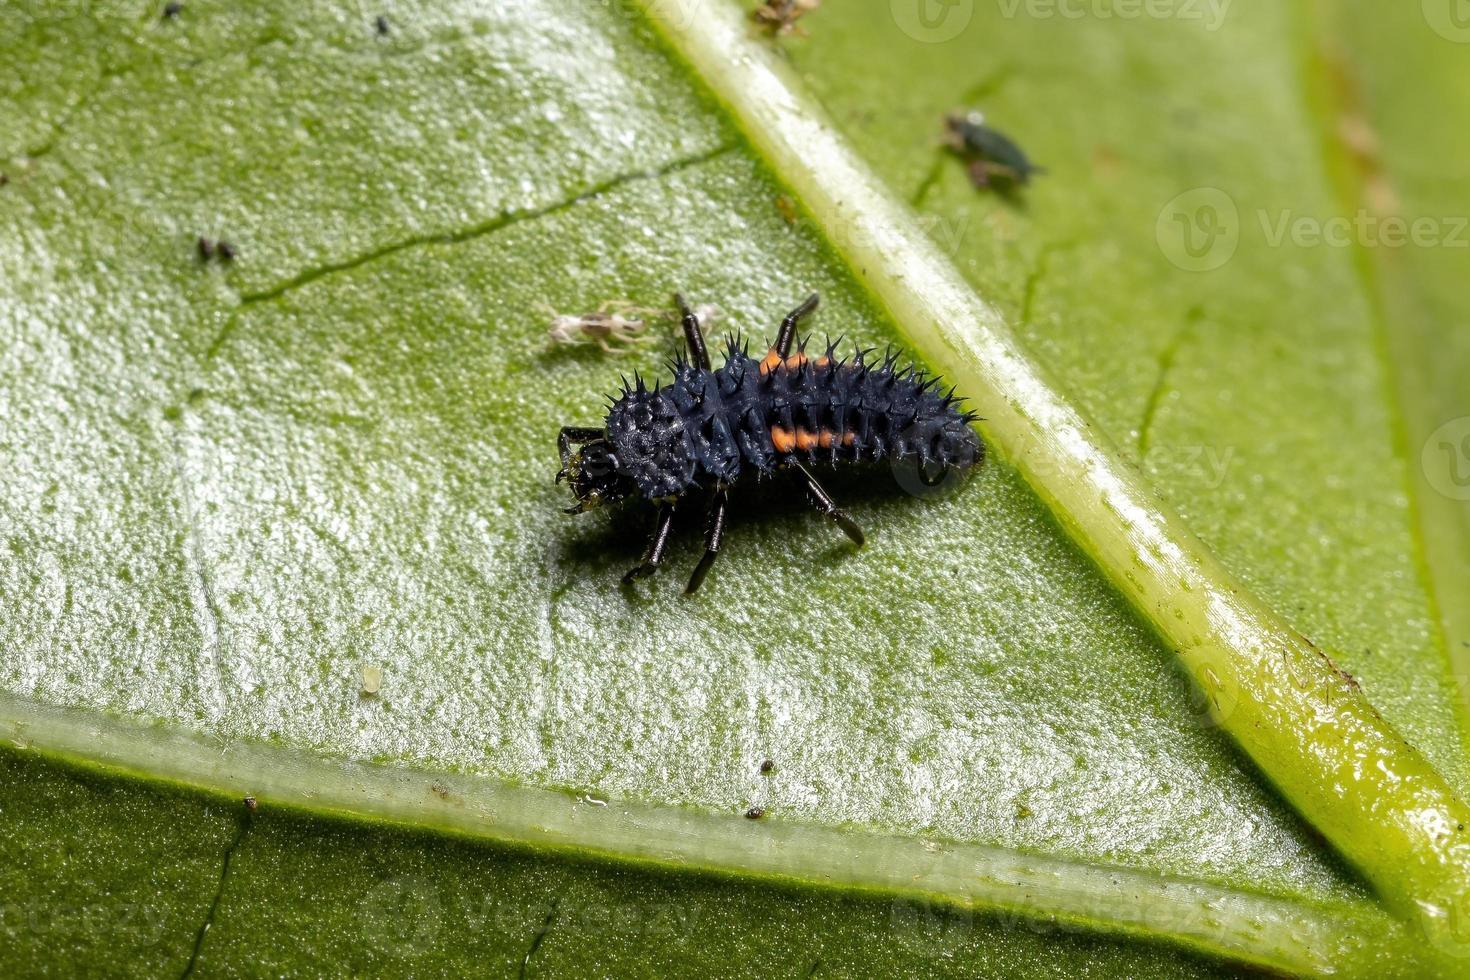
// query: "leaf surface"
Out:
[237,486]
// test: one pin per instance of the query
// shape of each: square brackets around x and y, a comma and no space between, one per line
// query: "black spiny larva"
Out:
[707,428]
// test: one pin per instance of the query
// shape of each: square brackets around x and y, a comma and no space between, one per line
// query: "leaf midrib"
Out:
[1282,933]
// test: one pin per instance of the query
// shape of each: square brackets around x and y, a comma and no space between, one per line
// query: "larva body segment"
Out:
[708,427]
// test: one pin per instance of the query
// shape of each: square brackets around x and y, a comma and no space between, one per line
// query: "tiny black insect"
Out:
[755,813]
[172,10]
[767,767]
[993,156]
[221,249]
[381,24]
[707,428]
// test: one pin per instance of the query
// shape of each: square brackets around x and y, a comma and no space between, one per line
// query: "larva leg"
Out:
[714,530]
[693,336]
[788,325]
[658,545]
[828,506]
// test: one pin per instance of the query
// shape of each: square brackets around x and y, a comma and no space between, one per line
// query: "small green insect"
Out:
[994,158]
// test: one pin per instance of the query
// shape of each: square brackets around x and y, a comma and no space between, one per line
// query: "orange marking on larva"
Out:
[825,440]
[806,441]
[823,361]
[795,361]
[771,361]
[782,439]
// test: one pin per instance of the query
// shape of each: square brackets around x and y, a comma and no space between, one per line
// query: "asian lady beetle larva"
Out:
[706,429]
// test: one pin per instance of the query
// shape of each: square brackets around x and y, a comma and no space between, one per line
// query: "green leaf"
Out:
[235,486]
[122,877]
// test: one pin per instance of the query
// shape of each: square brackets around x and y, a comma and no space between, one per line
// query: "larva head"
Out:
[593,475]
[647,430]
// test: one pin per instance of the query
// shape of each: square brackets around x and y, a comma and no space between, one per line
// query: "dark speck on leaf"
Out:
[767,767]
[250,804]
[226,250]
[4,179]
[172,10]
[382,24]
[754,813]
[206,248]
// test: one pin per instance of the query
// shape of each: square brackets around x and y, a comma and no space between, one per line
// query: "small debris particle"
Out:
[1023,811]
[206,249]
[755,813]
[767,767]
[372,681]
[779,17]
[787,207]
[4,179]
[591,800]
[1105,159]
[382,24]
[172,10]
[440,790]
[251,804]
[226,250]
[707,313]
